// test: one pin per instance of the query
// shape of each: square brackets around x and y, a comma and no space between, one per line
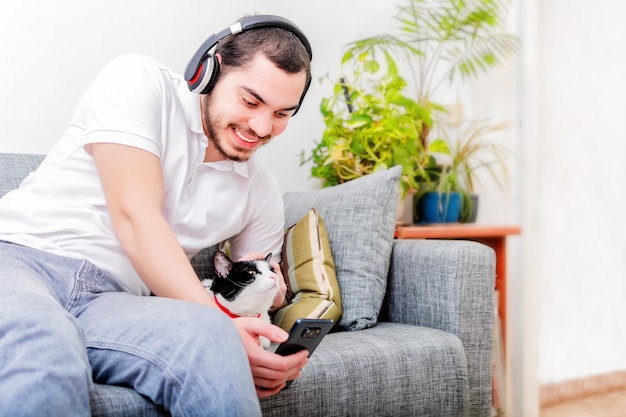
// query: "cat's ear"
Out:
[222,264]
[268,258]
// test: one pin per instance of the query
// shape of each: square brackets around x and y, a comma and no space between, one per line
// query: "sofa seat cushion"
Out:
[365,373]
[387,370]
[114,401]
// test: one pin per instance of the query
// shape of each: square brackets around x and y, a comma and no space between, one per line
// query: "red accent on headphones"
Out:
[197,74]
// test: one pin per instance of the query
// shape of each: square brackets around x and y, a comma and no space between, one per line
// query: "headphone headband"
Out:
[200,79]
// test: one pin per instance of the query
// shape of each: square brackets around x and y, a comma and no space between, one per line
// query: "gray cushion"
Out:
[388,370]
[113,401]
[360,220]
[14,168]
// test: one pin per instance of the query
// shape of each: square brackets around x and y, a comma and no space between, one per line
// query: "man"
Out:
[146,176]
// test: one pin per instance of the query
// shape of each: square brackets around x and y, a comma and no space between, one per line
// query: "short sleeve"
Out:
[124,104]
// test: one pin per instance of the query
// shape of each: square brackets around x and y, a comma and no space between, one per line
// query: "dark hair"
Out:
[279,45]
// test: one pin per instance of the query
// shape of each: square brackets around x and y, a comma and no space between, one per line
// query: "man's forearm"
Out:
[158,258]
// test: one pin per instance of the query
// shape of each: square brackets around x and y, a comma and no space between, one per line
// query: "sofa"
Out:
[415,337]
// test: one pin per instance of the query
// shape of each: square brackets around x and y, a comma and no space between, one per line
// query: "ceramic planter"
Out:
[437,207]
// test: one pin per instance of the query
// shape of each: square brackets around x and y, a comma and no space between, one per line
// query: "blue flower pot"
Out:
[437,207]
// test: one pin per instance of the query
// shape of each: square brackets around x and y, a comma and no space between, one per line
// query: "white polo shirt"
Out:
[134,101]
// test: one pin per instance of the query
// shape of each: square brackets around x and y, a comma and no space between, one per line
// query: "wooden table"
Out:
[493,236]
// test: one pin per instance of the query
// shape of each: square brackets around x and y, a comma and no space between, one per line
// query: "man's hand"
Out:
[269,370]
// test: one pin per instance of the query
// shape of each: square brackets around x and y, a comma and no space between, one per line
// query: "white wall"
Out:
[568,308]
[581,188]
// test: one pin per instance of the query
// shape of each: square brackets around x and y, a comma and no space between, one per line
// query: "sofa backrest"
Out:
[14,168]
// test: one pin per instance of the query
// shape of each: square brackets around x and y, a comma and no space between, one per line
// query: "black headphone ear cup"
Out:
[205,76]
[214,69]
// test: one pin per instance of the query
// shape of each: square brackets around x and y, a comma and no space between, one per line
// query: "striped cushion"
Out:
[309,271]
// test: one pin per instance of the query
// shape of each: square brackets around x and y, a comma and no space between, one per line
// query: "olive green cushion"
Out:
[309,271]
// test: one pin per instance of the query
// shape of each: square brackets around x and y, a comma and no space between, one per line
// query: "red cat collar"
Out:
[227,311]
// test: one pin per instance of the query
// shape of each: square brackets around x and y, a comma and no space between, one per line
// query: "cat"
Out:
[244,288]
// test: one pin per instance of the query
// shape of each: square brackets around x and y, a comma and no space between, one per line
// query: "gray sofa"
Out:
[416,335]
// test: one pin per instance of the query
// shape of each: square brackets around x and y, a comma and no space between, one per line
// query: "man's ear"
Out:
[219,58]
[222,264]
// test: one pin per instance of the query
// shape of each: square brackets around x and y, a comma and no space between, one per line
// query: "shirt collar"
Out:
[240,168]
[191,104]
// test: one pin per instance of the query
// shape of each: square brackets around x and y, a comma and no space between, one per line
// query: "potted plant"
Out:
[370,125]
[439,42]
[455,160]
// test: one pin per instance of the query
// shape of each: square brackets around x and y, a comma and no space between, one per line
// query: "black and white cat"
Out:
[243,288]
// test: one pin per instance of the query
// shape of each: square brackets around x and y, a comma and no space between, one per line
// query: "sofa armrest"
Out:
[448,285]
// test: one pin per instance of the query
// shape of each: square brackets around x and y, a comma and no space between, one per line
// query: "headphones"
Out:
[203,68]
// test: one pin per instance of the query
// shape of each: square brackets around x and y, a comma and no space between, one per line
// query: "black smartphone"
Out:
[305,334]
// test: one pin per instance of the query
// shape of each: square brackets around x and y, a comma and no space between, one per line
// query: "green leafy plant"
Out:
[442,40]
[455,161]
[375,119]
[370,126]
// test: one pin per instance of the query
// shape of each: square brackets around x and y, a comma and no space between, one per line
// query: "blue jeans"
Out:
[65,323]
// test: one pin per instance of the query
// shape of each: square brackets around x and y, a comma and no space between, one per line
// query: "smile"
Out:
[245,139]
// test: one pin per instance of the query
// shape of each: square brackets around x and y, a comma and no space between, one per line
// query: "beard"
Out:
[212,123]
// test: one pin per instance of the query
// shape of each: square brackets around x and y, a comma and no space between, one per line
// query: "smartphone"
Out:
[305,334]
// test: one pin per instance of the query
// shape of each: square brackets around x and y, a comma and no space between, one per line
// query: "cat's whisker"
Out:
[283,296]
[234,282]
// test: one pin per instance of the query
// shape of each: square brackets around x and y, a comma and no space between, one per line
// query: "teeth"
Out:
[245,139]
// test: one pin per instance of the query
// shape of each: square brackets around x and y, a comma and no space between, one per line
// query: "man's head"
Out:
[262,76]
[288,48]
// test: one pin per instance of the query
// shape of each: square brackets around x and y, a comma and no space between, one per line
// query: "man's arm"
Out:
[132,181]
